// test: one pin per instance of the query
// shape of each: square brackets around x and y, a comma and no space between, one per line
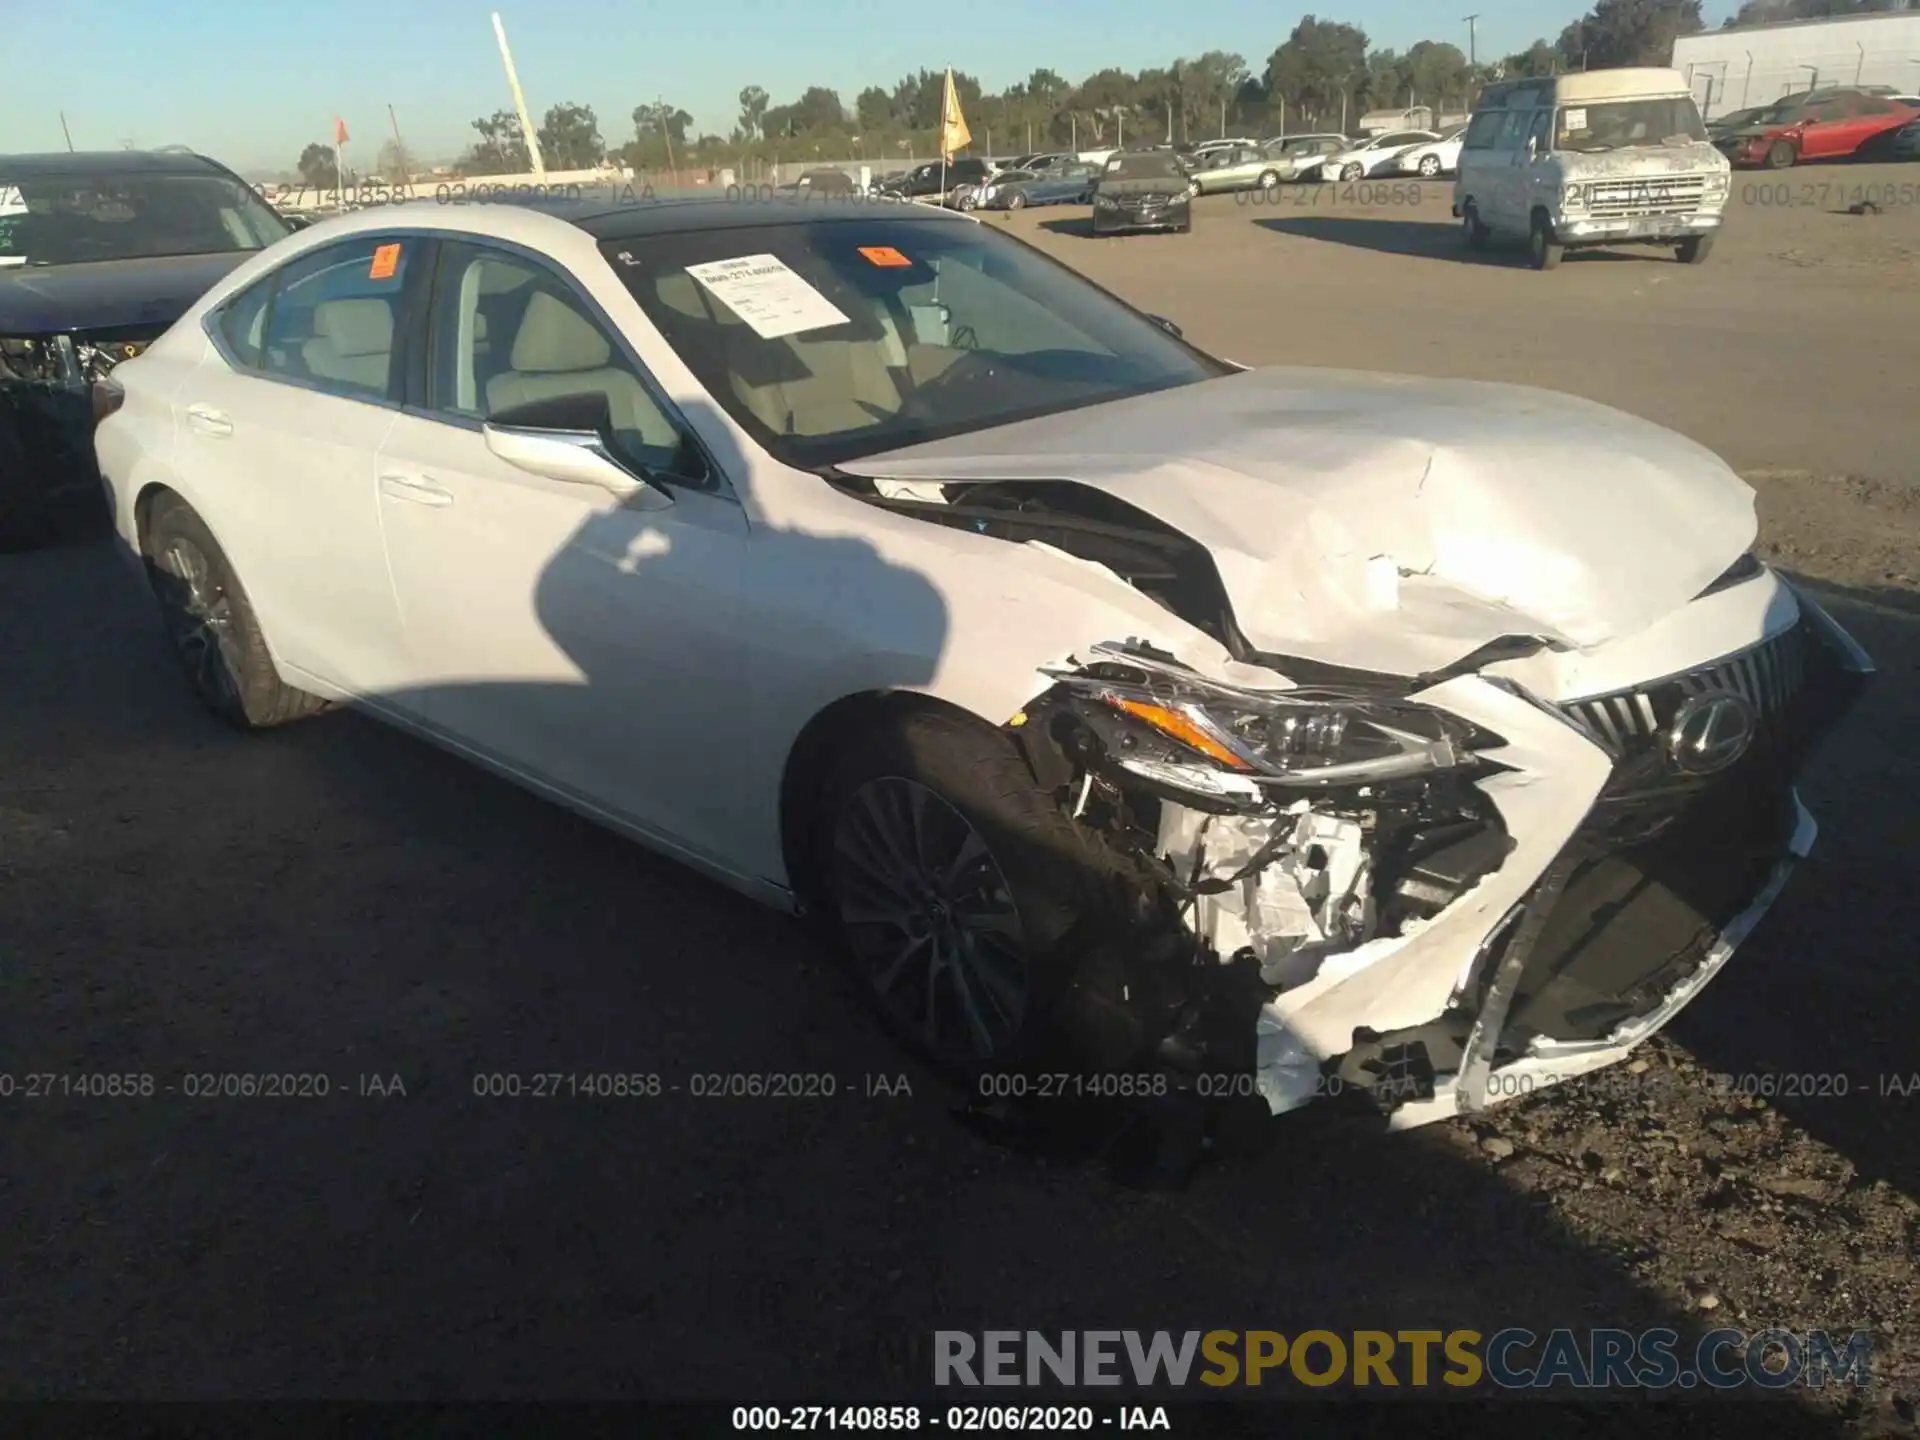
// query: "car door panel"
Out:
[583,641]
[283,464]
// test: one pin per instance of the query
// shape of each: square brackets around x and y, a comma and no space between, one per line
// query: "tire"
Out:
[1782,155]
[1429,166]
[1030,887]
[1694,249]
[1477,234]
[1268,182]
[1542,249]
[1016,201]
[212,625]
[1352,172]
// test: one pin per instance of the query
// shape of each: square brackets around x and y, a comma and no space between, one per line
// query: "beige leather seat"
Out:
[797,384]
[558,351]
[352,343]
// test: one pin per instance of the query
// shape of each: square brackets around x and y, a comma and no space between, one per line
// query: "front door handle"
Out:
[416,489]
[206,420]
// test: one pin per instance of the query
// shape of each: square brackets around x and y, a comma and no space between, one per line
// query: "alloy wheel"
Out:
[201,621]
[930,919]
[1429,166]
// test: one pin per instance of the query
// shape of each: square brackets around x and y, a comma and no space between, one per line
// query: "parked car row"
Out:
[1826,124]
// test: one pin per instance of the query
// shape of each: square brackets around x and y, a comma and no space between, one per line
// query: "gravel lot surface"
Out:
[338,900]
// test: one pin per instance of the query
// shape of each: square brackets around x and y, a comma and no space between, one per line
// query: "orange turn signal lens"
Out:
[1179,727]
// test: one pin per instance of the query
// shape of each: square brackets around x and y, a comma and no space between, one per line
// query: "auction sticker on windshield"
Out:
[1574,120]
[884,255]
[771,298]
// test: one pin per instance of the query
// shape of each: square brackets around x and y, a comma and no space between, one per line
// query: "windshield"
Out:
[1628,124]
[69,220]
[835,339]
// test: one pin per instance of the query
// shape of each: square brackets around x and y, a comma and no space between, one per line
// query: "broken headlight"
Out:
[1178,728]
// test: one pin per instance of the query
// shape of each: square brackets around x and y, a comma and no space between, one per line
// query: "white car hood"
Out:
[1390,523]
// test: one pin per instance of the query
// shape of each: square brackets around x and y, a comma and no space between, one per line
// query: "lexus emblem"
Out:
[1711,731]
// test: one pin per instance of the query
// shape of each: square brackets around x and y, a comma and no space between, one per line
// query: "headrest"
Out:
[355,327]
[556,337]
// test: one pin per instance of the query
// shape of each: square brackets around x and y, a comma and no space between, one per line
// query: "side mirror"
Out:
[1166,325]
[1533,148]
[568,439]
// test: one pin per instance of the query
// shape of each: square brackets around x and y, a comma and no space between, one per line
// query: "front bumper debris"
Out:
[1435,944]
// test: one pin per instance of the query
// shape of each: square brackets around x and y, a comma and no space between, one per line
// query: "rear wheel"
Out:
[1016,200]
[1695,249]
[1352,172]
[212,625]
[953,884]
[1542,249]
[1782,155]
[1429,166]
[1269,182]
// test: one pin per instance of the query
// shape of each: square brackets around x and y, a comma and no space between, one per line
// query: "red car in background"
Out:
[1823,125]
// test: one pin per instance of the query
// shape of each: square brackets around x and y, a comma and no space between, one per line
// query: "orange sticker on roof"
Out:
[884,255]
[386,260]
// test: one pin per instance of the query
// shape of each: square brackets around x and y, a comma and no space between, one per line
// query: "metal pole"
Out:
[1472,53]
[519,100]
[666,134]
[66,132]
[400,152]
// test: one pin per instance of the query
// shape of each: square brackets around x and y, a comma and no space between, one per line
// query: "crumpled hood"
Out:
[52,299]
[1391,523]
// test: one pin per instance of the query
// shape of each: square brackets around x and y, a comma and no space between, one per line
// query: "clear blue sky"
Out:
[252,83]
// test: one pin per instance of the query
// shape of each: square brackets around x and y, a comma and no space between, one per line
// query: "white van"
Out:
[1604,157]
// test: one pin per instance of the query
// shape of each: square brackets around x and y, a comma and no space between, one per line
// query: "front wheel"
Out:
[953,883]
[1542,249]
[1782,155]
[1694,249]
[1352,172]
[1016,201]
[1429,166]
[1477,234]
[1269,182]
[212,625]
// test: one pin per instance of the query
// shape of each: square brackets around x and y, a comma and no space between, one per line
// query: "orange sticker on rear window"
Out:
[884,255]
[386,260]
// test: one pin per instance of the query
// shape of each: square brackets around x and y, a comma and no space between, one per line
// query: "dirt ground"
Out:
[337,900]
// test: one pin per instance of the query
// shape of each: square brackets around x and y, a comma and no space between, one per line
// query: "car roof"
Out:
[107,162]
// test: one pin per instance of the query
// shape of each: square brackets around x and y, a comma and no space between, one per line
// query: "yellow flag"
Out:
[954,135]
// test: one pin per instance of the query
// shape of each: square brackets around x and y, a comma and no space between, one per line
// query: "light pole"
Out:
[1472,54]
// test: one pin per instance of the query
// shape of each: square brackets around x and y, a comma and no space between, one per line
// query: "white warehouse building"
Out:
[1754,64]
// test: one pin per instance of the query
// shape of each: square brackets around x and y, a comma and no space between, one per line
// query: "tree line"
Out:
[1324,75]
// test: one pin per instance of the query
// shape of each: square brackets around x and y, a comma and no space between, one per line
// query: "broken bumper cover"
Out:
[1624,896]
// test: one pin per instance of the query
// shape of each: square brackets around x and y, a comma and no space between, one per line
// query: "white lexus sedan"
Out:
[1434,158]
[1111,708]
[1373,157]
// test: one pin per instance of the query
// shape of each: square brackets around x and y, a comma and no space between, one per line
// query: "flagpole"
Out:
[339,165]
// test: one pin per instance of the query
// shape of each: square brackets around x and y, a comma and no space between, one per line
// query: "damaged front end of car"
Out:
[1422,894]
[54,389]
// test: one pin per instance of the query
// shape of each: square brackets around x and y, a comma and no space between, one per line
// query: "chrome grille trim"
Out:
[1769,676]
[1613,199]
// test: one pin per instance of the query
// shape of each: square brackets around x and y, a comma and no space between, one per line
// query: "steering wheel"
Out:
[971,368]
[961,337]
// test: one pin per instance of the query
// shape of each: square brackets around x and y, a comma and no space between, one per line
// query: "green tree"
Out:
[318,168]
[501,148]
[1537,59]
[873,108]
[753,109]
[570,138]
[1320,65]
[1628,32]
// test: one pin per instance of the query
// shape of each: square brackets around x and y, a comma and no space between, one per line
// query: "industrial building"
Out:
[1753,64]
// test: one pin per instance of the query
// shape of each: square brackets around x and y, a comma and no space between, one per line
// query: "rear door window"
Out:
[335,314]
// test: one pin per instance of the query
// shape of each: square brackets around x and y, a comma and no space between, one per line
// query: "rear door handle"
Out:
[208,421]
[415,489]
